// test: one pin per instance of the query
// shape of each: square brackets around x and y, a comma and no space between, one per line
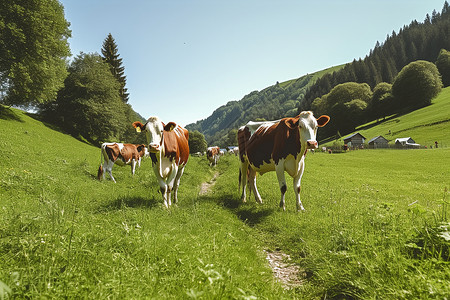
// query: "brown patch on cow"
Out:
[113,152]
[275,142]
[289,274]
[176,147]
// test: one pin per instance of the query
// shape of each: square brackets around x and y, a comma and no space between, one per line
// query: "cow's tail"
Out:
[240,179]
[100,169]
[241,183]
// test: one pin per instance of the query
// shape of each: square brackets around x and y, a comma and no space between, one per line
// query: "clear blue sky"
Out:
[183,59]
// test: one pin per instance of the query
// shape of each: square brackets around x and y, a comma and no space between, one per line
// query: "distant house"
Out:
[378,142]
[406,143]
[355,140]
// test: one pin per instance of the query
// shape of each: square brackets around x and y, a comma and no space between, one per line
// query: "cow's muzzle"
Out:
[311,145]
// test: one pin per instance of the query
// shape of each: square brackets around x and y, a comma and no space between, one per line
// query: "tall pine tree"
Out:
[111,56]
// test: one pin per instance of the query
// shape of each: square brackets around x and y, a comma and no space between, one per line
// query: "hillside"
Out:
[274,102]
[425,125]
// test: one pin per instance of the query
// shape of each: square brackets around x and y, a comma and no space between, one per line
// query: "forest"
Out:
[374,78]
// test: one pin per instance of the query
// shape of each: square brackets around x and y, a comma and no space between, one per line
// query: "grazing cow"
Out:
[169,151]
[236,151]
[277,146]
[120,154]
[213,153]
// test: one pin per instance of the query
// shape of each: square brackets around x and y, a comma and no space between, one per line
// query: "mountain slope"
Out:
[274,102]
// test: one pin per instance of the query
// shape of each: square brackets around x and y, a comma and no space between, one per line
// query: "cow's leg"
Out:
[243,180]
[282,183]
[163,189]
[177,184]
[168,195]
[297,186]
[252,182]
[109,165]
[133,166]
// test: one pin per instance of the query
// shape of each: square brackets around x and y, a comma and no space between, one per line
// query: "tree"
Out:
[89,106]
[382,100]
[417,84]
[443,65]
[111,56]
[33,49]
[197,142]
[346,104]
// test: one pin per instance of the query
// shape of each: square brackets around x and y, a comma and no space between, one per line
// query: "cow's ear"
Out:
[292,123]
[170,126]
[139,126]
[323,120]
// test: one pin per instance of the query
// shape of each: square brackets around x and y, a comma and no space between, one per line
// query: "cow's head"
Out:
[307,125]
[154,130]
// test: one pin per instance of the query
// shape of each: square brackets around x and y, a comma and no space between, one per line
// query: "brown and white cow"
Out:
[277,146]
[213,154]
[120,154]
[169,151]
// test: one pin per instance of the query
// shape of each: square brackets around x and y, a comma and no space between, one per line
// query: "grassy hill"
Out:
[271,103]
[373,228]
[425,125]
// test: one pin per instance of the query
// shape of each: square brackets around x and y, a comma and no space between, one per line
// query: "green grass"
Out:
[371,228]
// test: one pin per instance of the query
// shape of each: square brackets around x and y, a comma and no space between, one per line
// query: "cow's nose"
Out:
[311,144]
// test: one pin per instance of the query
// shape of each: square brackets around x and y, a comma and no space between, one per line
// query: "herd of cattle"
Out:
[279,146]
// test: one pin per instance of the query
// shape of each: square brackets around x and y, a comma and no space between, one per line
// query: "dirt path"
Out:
[206,186]
[283,269]
[287,273]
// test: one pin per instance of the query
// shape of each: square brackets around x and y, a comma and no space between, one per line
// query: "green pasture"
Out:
[376,226]
[425,125]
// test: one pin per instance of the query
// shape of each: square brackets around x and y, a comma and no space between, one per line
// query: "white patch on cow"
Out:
[253,126]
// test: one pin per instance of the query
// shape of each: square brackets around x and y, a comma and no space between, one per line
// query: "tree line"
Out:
[416,41]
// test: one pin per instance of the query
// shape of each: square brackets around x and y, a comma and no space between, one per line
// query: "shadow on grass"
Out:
[129,202]
[8,114]
[250,213]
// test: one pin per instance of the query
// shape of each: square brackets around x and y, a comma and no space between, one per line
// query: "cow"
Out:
[120,154]
[169,151]
[213,153]
[278,146]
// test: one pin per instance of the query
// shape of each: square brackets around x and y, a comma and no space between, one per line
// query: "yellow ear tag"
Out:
[138,129]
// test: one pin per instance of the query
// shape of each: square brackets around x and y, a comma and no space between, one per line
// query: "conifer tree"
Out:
[111,56]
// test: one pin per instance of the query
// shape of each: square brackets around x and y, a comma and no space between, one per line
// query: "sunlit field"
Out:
[376,225]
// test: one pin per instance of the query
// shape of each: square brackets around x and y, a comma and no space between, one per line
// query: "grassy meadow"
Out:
[376,225]
[425,125]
